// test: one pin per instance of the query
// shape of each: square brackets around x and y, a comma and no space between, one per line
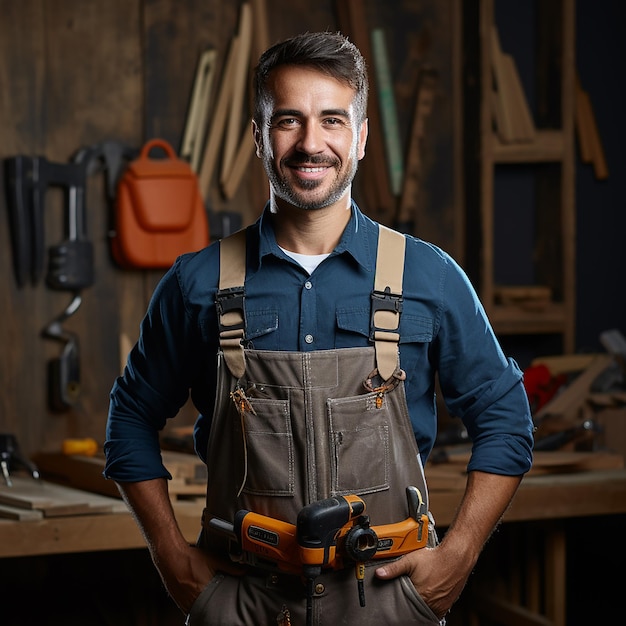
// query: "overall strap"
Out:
[387,300]
[230,300]
[385,311]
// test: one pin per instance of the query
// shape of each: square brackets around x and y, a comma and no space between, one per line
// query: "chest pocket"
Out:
[353,328]
[413,328]
[262,324]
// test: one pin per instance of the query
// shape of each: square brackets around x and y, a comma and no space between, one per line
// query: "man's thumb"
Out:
[392,569]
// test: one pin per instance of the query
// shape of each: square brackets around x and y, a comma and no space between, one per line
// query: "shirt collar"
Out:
[358,239]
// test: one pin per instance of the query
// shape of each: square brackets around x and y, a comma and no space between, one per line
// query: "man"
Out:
[312,363]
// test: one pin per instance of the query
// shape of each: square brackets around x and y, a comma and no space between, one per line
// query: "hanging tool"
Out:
[10,455]
[70,263]
[19,197]
[70,268]
[28,179]
[64,370]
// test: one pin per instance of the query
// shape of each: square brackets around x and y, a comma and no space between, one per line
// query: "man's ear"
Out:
[363,132]
[258,139]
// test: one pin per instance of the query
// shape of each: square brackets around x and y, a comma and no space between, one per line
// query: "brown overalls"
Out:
[291,428]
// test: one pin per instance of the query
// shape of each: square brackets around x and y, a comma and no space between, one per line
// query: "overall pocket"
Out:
[359,443]
[269,445]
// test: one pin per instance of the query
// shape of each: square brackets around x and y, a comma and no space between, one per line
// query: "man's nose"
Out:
[311,139]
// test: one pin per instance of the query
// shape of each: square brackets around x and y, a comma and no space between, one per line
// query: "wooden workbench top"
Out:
[541,497]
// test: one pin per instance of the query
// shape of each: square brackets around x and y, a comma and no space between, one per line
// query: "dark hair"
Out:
[330,53]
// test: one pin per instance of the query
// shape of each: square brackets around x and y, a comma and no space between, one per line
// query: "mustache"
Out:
[316,159]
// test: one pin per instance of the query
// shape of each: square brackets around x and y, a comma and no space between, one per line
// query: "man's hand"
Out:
[184,573]
[438,577]
[439,574]
[185,570]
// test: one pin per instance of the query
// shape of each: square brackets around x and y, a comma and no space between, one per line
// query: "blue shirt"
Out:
[443,329]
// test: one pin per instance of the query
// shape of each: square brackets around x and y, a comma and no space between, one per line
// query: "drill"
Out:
[329,534]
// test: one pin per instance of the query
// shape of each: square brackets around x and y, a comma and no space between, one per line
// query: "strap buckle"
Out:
[231,300]
[384,301]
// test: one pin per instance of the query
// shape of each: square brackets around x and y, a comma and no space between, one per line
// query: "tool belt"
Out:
[333,533]
[330,534]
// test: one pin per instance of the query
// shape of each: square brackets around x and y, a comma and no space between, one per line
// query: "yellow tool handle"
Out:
[85,446]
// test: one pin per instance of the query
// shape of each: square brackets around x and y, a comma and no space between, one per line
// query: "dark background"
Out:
[73,72]
[601,205]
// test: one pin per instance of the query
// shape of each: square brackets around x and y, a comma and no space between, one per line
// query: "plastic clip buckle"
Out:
[384,301]
[228,301]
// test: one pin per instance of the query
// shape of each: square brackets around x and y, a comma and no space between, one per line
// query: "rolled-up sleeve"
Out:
[153,387]
[480,384]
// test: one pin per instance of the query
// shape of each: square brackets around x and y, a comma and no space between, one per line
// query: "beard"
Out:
[301,193]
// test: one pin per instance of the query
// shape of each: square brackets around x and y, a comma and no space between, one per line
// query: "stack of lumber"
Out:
[84,472]
[512,116]
[451,475]
[34,499]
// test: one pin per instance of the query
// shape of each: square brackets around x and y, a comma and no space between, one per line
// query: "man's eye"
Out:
[287,122]
[332,121]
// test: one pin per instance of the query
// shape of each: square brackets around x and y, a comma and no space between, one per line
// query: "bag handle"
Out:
[157,143]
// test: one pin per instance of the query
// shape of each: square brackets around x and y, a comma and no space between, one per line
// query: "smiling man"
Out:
[310,153]
[310,342]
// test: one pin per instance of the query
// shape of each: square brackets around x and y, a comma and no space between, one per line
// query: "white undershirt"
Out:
[308,261]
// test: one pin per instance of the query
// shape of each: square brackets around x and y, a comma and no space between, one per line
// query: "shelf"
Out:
[548,146]
[535,41]
[517,320]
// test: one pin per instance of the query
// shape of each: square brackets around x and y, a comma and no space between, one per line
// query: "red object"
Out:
[541,386]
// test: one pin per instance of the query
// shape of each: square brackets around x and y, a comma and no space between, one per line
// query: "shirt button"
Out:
[308,338]
[308,284]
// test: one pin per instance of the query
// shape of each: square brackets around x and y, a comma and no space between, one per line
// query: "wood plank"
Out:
[20,514]
[591,148]
[197,116]
[218,119]
[87,533]
[55,500]
[556,461]
[189,474]
[80,472]
[240,81]
[408,209]
[241,164]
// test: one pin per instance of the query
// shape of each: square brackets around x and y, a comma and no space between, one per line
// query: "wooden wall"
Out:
[77,72]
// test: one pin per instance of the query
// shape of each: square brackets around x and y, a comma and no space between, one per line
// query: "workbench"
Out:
[548,499]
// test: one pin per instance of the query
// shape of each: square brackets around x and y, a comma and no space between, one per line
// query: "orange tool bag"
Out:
[159,212]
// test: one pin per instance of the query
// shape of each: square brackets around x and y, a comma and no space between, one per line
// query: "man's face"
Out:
[311,142]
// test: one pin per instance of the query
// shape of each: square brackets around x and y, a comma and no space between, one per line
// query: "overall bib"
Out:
[292,428]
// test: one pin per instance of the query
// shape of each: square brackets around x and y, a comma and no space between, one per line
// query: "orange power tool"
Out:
[328,534]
